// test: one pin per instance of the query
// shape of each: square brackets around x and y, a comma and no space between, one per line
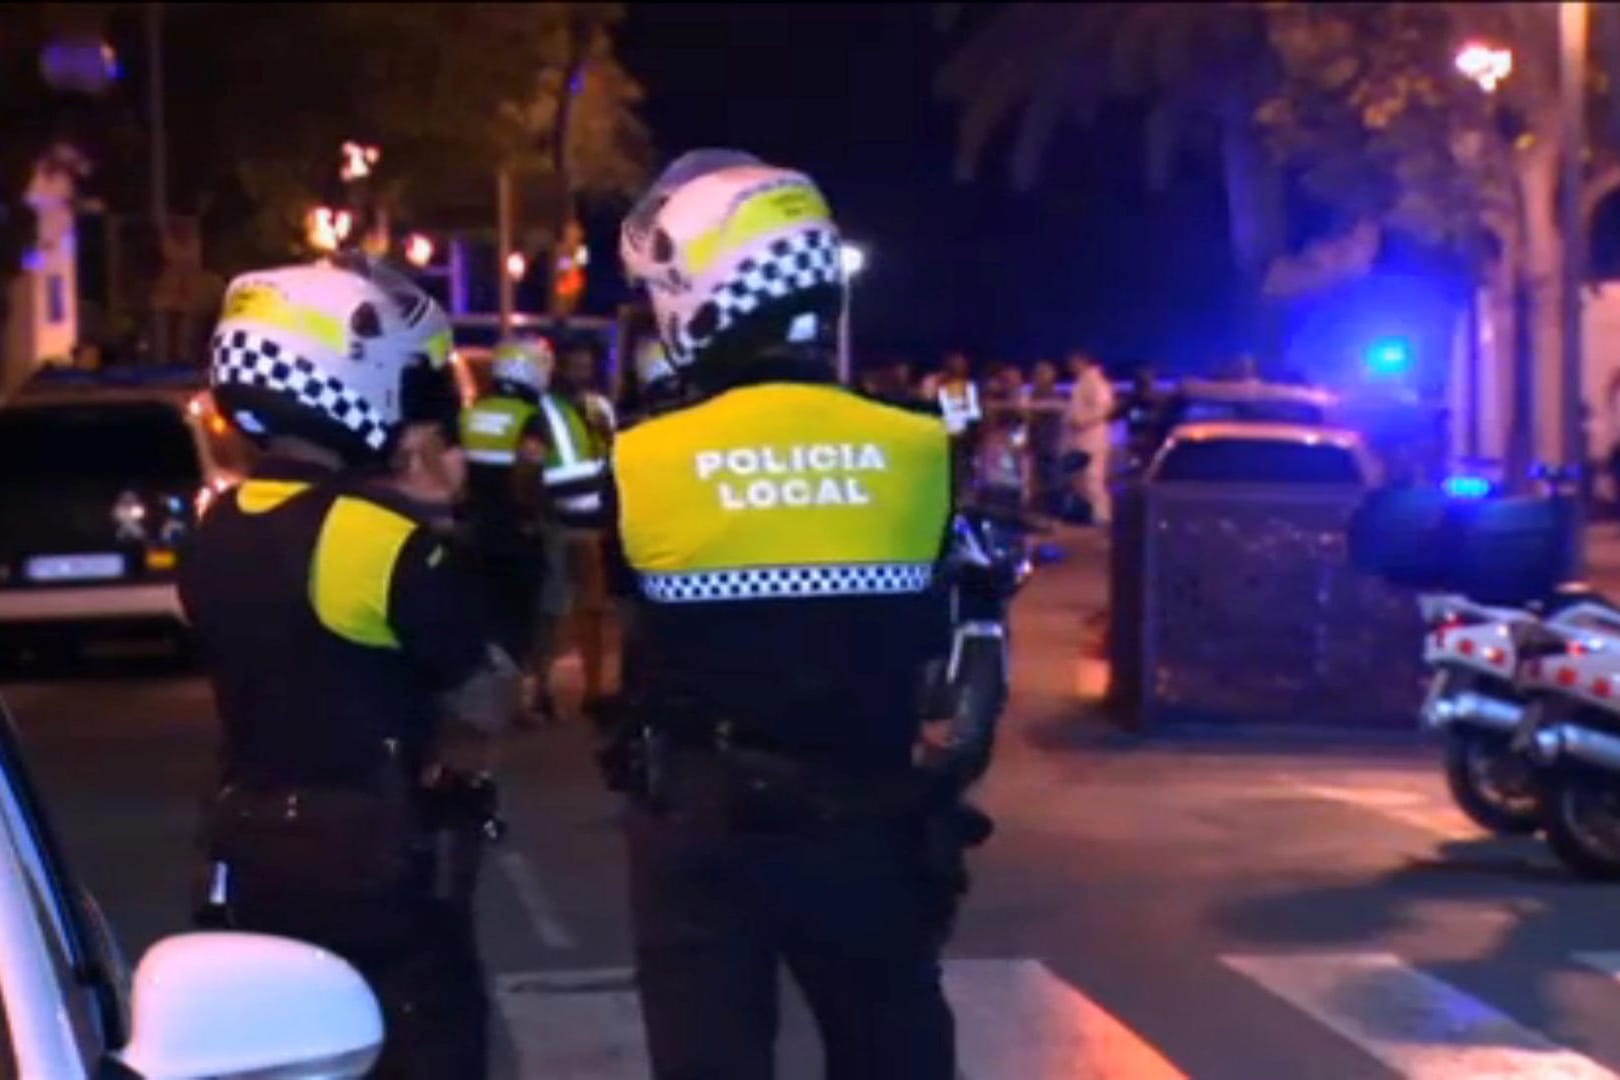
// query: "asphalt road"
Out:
[1215,907]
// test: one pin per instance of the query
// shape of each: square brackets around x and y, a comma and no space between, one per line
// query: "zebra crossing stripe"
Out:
[574,1025]
[1412,1022]
[1015,1020]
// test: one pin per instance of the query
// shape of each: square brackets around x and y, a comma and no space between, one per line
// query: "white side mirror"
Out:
[228,1004]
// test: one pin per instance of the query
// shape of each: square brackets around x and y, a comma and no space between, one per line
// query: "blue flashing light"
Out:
[1389,357]
[1467,487]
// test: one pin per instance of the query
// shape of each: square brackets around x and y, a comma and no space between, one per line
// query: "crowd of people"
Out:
[1029,442]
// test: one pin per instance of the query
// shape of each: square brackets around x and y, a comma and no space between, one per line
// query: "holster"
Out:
[353,866]
[323,864]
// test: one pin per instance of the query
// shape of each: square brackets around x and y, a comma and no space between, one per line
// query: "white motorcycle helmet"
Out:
[342,352]
[734,254]
[524,365]
[653,369]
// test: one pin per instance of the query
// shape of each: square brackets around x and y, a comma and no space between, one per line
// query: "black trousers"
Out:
[419,954]
[512,579]
[716,911]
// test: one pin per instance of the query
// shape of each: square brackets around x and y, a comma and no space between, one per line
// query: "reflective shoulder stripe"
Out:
[263,496]
[492,457]
[580,470]
[562,435]
[788,582]
[580,504]
[353,569]
[571,456]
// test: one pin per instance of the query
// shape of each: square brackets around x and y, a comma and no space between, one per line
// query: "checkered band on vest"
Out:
[778,582]
[246,359]
[792,264]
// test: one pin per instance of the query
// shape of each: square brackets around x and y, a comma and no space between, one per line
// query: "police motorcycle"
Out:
[989,562]
[1569,674]
[1475,705]
[1488,568]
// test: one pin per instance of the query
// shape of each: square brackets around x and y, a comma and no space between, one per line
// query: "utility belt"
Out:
[351,864]
[711,770]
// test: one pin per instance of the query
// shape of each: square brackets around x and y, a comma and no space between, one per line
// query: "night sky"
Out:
[843,91]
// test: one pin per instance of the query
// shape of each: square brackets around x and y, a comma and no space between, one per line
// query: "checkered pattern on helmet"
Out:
[247,359]
[791,264]
[788,582]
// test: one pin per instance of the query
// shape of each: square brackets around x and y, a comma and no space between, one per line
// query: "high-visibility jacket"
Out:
[576,462]
[492,428]
[959,404]
[784,539]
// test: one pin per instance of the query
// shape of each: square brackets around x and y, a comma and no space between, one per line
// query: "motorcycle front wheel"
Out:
[1490,783]
[1582,816]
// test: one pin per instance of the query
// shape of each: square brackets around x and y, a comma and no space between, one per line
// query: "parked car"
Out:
[1262,453]
[201,1004]
[100,485]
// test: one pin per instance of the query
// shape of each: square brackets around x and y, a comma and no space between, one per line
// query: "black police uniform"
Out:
[783,538]
[328,617]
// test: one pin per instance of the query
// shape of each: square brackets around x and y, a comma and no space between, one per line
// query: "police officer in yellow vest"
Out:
[782,536]
[337,630]
[504,437]
[579,431]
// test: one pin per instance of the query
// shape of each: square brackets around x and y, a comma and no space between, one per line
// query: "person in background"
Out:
[1091,407]
[429,469]
[1146,413]
[1003,389]
[958,397]
[1002,475]
[504,437]
[1044,406]
[891,384]
[573,602]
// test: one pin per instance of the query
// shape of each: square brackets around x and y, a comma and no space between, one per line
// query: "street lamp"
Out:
[418,250]
[358,161]
[1487,65]
[516,266]
[852,259]
[1484,64]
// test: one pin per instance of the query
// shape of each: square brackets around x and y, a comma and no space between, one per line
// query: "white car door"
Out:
[60,976]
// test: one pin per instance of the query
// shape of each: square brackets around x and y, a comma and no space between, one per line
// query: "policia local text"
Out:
[782,474]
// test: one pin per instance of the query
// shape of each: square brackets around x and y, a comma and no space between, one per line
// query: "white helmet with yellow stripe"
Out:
[734,254]
[342,352]
[524,364]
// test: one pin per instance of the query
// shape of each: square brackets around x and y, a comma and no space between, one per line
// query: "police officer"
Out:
[783,535]
[578,432]
[503,436]
[337,630]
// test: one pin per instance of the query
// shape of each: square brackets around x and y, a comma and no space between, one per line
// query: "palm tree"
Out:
[1037,65]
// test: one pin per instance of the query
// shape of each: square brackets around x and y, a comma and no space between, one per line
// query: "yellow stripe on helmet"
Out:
[773,208]
[262,303]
